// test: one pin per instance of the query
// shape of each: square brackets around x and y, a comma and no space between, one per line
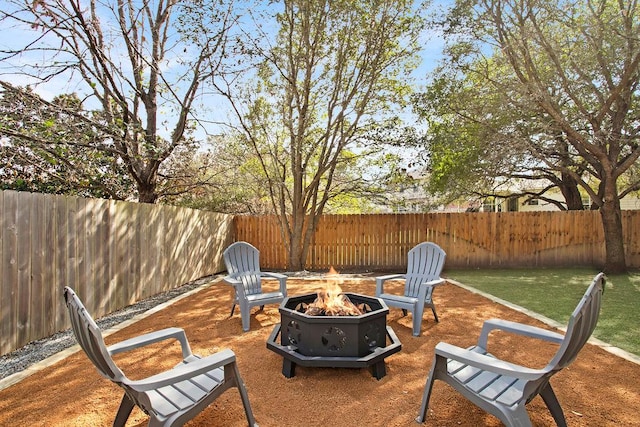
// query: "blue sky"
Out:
[13,36]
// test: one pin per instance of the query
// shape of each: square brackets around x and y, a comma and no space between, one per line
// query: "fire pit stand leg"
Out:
[288,368]
[378,370]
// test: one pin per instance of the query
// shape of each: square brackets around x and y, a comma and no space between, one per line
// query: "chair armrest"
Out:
[231,281]
[486,363]
[185,371]
[381,279]
[237,285]
[150,338]
[281,278]
[516,328]
[426,288]
[436,282]
[274,275]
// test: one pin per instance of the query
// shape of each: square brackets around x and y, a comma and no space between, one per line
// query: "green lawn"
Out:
[555,292]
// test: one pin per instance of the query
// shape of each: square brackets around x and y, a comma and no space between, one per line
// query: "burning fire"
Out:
[331,301]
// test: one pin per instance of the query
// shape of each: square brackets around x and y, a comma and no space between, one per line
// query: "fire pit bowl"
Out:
[334,341]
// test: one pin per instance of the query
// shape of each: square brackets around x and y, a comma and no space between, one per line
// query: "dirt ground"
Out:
[599,389]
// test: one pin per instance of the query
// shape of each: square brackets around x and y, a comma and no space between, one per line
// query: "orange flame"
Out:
[331,301]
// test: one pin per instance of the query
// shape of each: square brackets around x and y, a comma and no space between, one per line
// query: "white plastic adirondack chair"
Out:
[243,267]
[503,388]
[170,398]
[425,264]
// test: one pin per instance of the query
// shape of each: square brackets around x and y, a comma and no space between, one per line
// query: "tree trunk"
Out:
[612,225]
[296,258]
[569,188]
[295,262]
[147,193]
[300,242]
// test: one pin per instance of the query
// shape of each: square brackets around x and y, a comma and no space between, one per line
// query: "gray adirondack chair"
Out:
[170,398]
[502,388]
[243,267]
[425,264]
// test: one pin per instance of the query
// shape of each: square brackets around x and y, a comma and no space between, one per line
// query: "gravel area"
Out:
[39,350]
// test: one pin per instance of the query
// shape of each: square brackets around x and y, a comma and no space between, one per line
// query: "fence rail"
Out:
[471,240]
[112,253]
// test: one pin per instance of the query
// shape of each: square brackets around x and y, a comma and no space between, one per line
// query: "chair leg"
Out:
[233,307]
[424,407]
[245,313]
[552,403]
[516,417]
[126,406]
[243,393]
[417,325]
[417,319]
[435,315]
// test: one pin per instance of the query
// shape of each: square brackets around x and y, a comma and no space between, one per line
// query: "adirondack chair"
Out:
[425,264]
[243,267]
[502,388]
[170,398]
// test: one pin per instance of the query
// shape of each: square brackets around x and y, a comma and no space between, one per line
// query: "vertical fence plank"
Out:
[60,275]
[9,298]
[157,239]
[147,247]
[70,246]
[82,223]
[24,258]
[37,310]
[100,248]
[49,292]
[113,270]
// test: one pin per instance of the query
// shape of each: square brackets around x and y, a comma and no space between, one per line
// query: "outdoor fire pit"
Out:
[338,341]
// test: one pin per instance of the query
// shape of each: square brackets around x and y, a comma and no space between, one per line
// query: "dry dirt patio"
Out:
[599,389]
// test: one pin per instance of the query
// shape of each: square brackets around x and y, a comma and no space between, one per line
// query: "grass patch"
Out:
[555,292]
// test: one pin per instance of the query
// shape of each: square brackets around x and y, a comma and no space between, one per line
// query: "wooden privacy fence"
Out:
[116,253]
[112,253]
[471,240]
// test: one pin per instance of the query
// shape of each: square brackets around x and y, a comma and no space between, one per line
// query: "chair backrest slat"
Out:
[425,262]
[90,337]
[581,324]
[243,262]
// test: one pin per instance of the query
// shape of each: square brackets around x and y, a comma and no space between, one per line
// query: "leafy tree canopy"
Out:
[533,89]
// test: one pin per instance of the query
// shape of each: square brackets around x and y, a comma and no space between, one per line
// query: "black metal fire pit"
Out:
[334,341]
